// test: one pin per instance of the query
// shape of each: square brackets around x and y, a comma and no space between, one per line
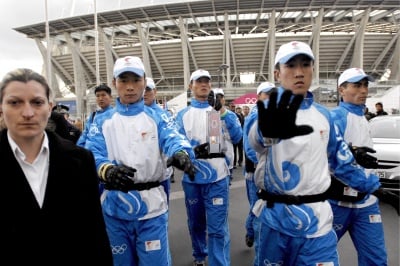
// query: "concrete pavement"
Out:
[241,255]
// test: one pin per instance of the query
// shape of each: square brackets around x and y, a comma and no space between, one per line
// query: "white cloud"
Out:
[17,50]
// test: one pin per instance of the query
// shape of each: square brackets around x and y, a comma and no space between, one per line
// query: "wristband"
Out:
[183,152]
[103,169]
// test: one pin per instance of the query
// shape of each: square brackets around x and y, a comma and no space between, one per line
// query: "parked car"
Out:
[385,132]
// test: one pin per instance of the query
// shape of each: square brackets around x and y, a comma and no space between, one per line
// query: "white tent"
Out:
[178,103]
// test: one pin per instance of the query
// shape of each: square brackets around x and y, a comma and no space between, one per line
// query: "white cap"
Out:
[150,84]
[353,75]
[265,87]
[129,64]
[218,91]
[291,49]
[200,73]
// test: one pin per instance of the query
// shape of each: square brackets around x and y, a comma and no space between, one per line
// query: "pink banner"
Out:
[248,98]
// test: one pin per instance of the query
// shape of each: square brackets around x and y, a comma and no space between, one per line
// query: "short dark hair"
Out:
[102,87]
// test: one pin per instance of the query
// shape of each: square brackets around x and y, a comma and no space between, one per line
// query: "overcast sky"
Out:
[16,50]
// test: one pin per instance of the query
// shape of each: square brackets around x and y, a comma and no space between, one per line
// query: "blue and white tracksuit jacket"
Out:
[168,170]
[250,153]
[85,133]
[362,219]
[208,195]
[297,166]
[251,189]
[82,139]
[136,221]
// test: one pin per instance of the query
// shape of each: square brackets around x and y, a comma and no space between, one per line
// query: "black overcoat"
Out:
[69,229]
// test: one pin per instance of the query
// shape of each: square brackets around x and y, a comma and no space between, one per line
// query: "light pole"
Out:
[221,68]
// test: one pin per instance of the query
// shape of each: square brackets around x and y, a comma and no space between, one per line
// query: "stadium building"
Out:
[234,40]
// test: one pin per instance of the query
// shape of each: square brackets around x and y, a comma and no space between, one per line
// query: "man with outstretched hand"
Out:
[128,143]
[297,147]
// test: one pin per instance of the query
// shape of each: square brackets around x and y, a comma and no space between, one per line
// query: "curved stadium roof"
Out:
[175,38]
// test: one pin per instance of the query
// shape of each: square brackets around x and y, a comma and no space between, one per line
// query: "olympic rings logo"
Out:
[266,262]
[337,227]
[250,100]
[119,249]
[193,201]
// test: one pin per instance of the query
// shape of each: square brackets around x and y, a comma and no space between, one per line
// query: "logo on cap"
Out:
[291,49]
[353,75]
[129,64]
[200,73]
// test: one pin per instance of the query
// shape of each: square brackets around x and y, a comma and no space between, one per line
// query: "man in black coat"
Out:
[59,123]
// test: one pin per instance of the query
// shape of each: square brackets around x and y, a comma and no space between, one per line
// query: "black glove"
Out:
[119,177]
[363,158]
[249,165]
[390,197]
[182,161]
[201,151]
[279,120]
[214,101]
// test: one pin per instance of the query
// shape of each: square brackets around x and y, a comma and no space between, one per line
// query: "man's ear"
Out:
[50,108]
[340,90]
[277,75]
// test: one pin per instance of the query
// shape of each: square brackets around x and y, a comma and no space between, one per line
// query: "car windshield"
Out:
[385,128]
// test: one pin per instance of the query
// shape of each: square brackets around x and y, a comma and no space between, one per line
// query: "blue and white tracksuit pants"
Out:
[139,242]
[207,207]
[294,251]
[366,231]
